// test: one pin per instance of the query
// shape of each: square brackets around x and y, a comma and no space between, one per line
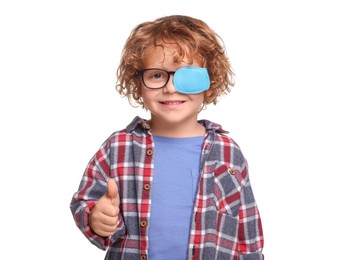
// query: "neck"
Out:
[176,130]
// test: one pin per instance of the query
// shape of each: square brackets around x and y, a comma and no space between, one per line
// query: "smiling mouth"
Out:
[172,102]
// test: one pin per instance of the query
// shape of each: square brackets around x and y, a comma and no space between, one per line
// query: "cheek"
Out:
[147,96]
[201,97]
[197,100]
[144,97]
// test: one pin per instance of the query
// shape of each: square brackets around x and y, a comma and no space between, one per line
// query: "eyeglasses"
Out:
[155,78]
[187,80]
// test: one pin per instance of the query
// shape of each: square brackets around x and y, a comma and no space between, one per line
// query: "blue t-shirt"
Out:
[175,182]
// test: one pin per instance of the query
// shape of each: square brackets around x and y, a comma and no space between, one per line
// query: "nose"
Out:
[169,87]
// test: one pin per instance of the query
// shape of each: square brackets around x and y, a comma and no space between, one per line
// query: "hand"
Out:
[103,218]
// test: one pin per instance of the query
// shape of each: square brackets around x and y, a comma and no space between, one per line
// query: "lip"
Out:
[172,103]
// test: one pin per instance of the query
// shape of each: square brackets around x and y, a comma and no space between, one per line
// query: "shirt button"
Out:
[232,171]
[149,152]
[144,257]
[143,223]
[147,186]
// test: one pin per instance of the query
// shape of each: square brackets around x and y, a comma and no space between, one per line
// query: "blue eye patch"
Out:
[191,80]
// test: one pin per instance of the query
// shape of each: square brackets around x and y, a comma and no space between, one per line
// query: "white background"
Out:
[58,104]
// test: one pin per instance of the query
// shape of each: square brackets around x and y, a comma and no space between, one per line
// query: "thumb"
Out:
[112,189]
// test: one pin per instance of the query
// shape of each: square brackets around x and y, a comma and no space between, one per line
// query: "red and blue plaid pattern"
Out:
[226,223]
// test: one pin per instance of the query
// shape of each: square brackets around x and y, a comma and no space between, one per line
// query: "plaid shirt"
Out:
[225,223]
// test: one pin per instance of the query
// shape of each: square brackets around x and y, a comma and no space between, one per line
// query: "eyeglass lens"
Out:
[155,78]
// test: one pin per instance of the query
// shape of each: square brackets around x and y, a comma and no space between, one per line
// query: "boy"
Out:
[173,186]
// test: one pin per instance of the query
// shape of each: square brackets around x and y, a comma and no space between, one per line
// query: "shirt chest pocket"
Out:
[227,190]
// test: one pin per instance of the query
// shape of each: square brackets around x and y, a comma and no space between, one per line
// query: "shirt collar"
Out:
[138,122]
[212,127]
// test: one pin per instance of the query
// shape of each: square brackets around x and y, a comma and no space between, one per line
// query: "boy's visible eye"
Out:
[155,75]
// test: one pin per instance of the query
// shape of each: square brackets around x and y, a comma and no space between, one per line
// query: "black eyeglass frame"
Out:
[141,72]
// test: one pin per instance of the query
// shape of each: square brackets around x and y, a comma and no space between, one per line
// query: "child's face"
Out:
[166,105]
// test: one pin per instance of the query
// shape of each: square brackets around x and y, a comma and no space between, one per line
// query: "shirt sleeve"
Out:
[92,187]
[250,232]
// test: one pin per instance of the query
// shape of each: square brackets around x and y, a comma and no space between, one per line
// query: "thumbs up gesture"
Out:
[103,218]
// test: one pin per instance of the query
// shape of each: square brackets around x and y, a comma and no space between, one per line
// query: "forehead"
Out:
[166,55]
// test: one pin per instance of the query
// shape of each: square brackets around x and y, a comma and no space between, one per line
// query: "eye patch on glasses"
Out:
[191,80]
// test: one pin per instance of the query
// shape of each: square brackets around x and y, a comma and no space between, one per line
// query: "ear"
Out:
[138,85]
[208,95]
